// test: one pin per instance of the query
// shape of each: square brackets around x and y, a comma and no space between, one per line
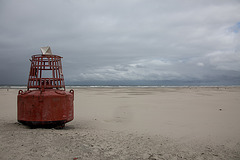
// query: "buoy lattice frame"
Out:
[42,64]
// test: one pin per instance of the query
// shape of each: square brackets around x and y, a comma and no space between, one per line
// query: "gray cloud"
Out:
[122,40]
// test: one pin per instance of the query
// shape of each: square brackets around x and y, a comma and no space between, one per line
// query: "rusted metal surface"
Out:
[46,107]
[45,102]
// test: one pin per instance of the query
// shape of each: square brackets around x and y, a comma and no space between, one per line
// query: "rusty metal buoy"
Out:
[45,103]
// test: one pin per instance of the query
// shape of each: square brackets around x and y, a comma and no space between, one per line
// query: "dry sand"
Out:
[132,123]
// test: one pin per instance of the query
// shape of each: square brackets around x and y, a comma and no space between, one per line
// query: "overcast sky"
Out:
[122,39]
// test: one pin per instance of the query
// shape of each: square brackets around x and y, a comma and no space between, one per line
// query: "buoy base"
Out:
[44,124]
[45,109]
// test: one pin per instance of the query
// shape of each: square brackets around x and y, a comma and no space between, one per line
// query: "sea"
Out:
[162,83]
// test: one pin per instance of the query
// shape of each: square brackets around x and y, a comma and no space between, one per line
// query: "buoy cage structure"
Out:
[45,103]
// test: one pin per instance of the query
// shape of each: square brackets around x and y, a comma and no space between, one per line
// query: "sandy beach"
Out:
[177,123]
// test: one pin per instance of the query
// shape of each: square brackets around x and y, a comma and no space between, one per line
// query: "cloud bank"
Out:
[123,40]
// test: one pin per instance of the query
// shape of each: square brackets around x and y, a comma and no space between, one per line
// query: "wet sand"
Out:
[132,123]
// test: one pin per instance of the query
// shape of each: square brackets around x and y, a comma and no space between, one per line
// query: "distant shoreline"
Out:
[79,86]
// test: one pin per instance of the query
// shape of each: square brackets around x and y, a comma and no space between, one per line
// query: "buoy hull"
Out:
[51,107]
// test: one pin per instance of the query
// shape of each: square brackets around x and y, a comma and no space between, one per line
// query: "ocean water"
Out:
[166,83]
[142,83]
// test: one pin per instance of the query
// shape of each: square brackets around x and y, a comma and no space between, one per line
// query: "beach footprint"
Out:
[121,114]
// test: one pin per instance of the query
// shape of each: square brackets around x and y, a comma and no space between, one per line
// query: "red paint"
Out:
[45,102]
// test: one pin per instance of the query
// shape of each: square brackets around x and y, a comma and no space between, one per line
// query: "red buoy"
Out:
[45,103]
